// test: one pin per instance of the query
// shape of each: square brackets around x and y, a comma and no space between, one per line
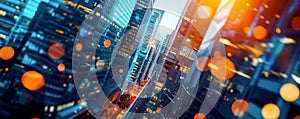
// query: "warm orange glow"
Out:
[247,30]
[278,30]
[7,52]
[239,107]
[61,67]
[266,6]
[260,32]
[33,80]
[266,74]
[255,51]
[295,23]
[270,111]
[277,16]
[100,64]
[56,51]
[248,4]
[255,9]
[78,46]
[199,116]
[289,92]
[107,43]
[222,68]
[229,54]
[246,58]
[204,12]
[121,70]
[297,117]
[202,63]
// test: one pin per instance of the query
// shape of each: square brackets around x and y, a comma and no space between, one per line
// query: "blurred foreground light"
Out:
[295,23]
[289,92]
[246,30]
[260,32]
[61,67]
[7,52]
[33,80]
[278,30]
[221,67]
[56,51]
[78,47]
[239,107]
[107,43]
[199,116]
[227,42]
[270,111]
[100,64]
[287,41]
[296,78]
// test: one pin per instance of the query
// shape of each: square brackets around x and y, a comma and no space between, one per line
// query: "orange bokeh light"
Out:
[107,43]
[239,107]
[56,51]
[61,67]
[222,68]
[247,30]
[78,47]
[121,70]
[260,32]
[202,63]
[7,52]
[270,111]
[199,116]
[33,80]
[289,92]
[100,64]
[295,23]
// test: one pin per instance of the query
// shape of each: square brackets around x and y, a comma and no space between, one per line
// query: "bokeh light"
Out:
[222,68]
[199,116]
[56,51]
[61,67]
[121,70]
[246,30]
[7,52]
[78,47]
[107,43]
[295,23]
[270,111]
[260,32]
[202,63]
[239,107]
[278,30]
[100,64]
[33,80]
[289,92]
